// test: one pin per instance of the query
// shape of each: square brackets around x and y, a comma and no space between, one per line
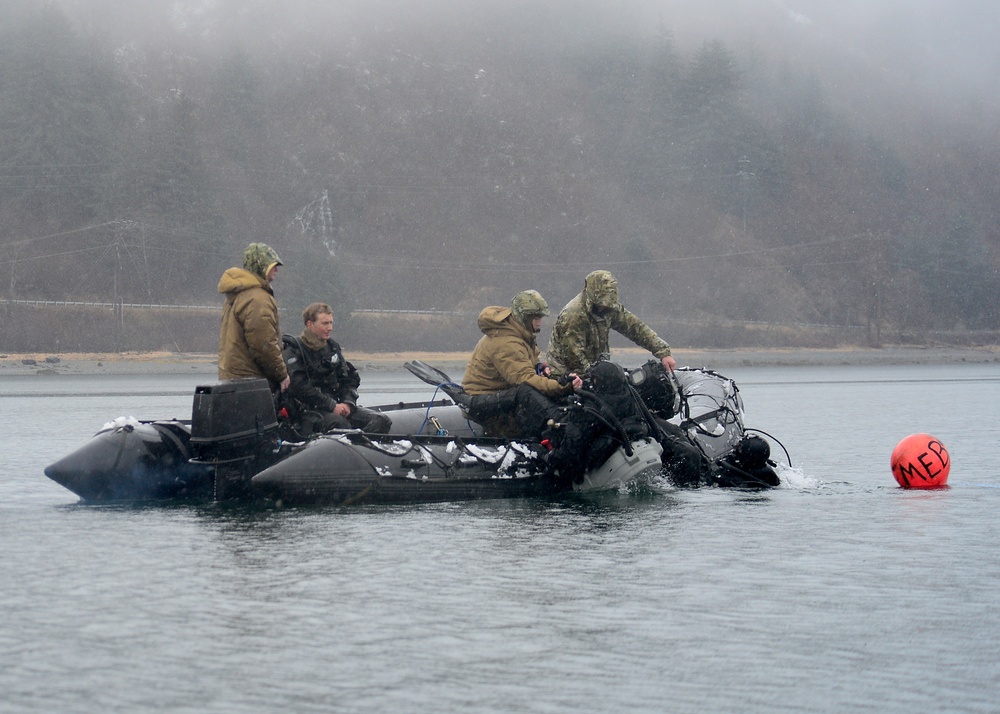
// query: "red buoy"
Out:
[920,461]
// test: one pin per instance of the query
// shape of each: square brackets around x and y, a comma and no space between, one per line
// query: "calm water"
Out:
[837,592]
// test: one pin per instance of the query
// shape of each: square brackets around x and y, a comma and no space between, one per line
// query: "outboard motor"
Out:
[234,428]
[600,418]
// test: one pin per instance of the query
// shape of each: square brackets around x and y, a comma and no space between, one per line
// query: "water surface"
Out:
[838,591]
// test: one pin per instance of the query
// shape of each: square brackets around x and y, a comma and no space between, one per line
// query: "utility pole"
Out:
[120,229]
[745,176]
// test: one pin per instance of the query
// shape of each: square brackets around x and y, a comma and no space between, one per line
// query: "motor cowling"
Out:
[232,419]
[234,428]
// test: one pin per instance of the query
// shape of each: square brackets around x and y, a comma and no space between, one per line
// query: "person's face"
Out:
[322,326]
[272,272]
[536,324]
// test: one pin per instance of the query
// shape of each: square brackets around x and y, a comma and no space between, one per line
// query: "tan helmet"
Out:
[528,304]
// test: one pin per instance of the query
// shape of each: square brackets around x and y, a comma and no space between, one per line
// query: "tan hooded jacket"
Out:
[249,339]
[506,356]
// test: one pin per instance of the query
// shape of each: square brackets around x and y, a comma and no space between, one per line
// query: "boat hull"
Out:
[353,468]
[233,449]
[135,461]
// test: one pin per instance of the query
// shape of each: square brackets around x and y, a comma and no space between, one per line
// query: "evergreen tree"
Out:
[58,120]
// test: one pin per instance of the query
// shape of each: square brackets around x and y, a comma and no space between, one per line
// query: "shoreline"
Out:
[12,364]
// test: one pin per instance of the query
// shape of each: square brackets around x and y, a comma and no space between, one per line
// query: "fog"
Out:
[930,45]
[765,160]
[881,60]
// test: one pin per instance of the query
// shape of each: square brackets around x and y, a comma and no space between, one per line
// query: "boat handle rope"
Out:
[363,439]
[125,431]
[428,418]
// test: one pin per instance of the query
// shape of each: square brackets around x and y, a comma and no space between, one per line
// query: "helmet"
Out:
[528,304]
[601,289]
[258,258]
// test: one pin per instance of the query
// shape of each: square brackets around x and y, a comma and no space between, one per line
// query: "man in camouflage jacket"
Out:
[580,333]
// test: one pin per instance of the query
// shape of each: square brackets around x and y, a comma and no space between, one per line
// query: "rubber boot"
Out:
[457,395]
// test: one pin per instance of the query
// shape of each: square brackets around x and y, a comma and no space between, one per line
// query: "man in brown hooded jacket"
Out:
[249,338]
[507,387]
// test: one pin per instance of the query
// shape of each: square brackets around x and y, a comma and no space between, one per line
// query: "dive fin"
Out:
[437,378]
[431,375]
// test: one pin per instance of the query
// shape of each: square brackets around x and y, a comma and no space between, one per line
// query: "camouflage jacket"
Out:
[580,337]
[249,339]
[506,356]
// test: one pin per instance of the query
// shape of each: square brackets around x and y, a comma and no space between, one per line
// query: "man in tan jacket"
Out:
[507,388]
[249,338]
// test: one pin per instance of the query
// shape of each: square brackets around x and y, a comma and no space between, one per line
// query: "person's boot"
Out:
[457,395]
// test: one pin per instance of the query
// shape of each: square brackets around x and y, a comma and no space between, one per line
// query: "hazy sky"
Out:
[946,47]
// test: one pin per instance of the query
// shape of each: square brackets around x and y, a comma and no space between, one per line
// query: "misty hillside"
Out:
[764,162]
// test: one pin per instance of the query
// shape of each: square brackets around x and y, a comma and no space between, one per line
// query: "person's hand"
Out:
[342,409]
[668,363]
[577,382]
[284,383]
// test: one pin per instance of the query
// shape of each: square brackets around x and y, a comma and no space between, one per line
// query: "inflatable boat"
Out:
[235,447]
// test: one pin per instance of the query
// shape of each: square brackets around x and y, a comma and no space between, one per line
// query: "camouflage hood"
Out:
[600,289]
[259,258]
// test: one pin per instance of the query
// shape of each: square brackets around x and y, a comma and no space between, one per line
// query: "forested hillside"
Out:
[445,164]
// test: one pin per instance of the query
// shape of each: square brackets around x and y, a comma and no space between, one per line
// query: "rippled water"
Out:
[836,592]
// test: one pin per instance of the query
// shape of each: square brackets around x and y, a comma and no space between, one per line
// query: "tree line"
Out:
[449,173]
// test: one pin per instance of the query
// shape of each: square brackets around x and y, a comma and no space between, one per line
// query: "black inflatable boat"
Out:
[236,448]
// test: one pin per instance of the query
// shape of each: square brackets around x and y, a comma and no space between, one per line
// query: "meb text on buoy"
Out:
[921,461]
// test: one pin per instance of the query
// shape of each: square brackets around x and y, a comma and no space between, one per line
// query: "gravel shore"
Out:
[454,362]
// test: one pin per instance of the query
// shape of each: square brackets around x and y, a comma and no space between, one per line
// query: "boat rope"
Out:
[699,420]
[124,431]
[430,419]
[359,437]
[363,492]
